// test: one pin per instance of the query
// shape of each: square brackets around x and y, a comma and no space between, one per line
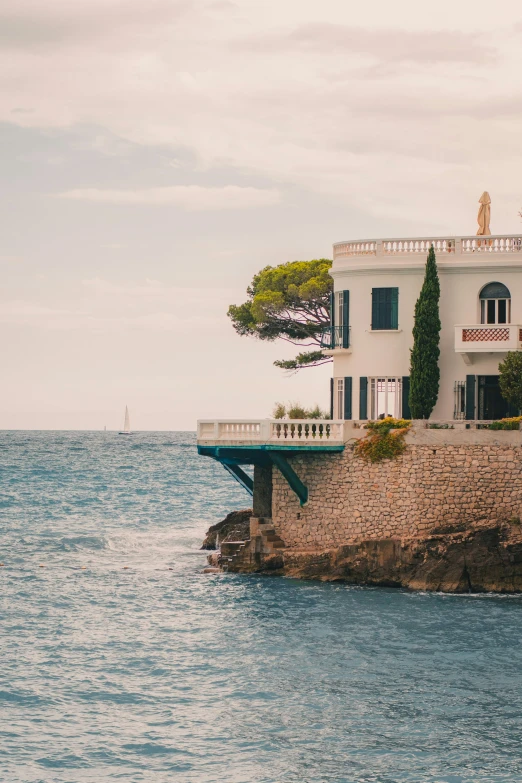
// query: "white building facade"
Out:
[376,286]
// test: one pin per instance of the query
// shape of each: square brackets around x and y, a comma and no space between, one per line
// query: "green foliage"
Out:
[306,359]
[289,302]
[279,411]
[424,367]
[317,413]
[506,424]
[510,380]
[384,441]
[297,411]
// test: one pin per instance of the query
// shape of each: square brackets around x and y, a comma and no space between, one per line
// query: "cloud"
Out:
[384,45]
[190,197]
[24,24]
[355,103]
[105,306]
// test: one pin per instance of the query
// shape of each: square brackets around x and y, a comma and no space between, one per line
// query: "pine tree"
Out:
[424,366]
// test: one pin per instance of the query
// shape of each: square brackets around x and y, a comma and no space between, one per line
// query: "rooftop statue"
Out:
[484,215]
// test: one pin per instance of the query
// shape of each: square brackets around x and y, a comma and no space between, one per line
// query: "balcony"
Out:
[271,433]
[445,247]
[336,338]
[487,338]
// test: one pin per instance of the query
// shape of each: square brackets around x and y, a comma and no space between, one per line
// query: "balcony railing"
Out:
[336,337]
[488,338]
[271,431]
[501,244]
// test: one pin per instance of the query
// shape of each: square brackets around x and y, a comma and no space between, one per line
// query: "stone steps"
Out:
[245,555]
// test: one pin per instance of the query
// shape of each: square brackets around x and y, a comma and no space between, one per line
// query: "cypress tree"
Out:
[424,363]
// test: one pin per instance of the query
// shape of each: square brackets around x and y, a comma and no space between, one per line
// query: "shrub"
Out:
[317,413]
[279,411]
[297,411]
[506,424]
[385,439]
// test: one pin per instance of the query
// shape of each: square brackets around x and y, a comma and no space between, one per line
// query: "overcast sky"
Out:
[156,154]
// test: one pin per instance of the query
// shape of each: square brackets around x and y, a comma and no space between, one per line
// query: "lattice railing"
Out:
[485,335]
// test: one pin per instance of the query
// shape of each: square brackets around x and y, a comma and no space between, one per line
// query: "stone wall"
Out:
[438,482]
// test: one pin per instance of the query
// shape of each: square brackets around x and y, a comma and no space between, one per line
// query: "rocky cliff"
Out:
[487,559]
[235,527]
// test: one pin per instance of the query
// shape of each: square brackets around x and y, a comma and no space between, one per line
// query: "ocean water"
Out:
[121,661]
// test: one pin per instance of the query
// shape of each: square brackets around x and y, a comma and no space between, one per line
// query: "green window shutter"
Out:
[394,294]
[385,308]
[346,319]
[406,412]
[376,311]
[331,397]
[332,319]
[470,397]
[363,398]
[347,398]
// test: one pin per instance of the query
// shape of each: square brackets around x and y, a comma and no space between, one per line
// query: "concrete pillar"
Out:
[262,500]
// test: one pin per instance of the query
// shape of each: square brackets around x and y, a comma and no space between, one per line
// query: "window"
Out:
[385,308]
[385,397]
[495,304]
[339,399]
[339,318]
[459,398]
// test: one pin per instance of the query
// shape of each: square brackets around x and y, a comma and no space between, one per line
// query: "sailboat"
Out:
[126,424]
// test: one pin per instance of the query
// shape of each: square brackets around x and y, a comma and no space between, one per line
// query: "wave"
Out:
[78,543]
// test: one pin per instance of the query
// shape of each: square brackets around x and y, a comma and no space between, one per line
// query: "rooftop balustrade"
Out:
[444,246]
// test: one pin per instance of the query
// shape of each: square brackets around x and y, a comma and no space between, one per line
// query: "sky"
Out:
[155,155]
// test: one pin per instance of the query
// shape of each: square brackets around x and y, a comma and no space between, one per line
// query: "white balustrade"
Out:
[511,244]
[267,431]
[396,247]
[504,244]
[356,248]
[305,430]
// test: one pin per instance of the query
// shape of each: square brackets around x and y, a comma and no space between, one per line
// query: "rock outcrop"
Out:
[235,527]
[478,560]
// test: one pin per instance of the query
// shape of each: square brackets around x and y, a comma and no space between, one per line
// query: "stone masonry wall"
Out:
[429,486]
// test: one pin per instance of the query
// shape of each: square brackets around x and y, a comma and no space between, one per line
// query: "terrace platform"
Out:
[267,442]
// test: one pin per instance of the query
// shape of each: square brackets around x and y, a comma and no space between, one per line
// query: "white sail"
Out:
[126,424]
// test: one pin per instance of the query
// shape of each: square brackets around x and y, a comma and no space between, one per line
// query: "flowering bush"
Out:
[385,439]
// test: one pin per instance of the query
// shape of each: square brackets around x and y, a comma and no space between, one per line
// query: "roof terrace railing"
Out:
[443,246]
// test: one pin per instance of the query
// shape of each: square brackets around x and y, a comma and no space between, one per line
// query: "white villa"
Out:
[376,285]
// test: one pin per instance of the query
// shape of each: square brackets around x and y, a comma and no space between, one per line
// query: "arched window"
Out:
[495,304]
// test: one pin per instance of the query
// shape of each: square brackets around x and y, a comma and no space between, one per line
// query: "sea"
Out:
[120,660]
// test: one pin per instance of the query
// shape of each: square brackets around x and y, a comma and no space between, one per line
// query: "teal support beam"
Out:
[240,475]
[295,483]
